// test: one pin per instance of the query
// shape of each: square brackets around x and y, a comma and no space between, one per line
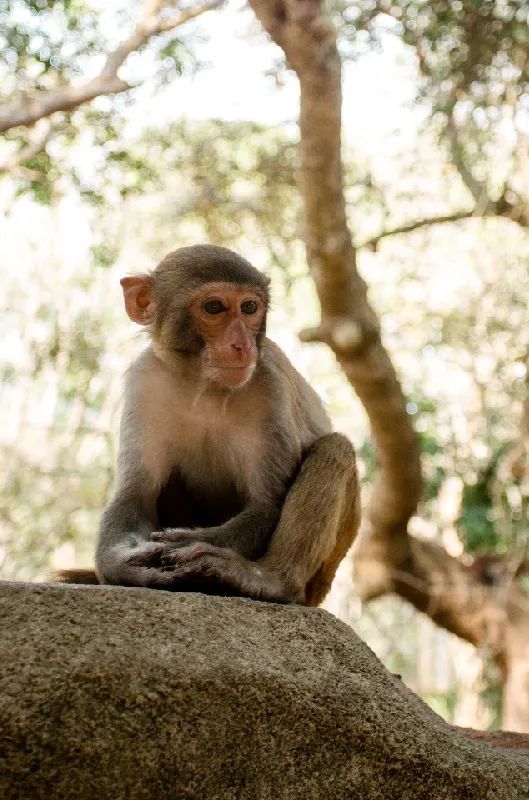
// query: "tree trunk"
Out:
[348,325]
[386,557]
[515,715]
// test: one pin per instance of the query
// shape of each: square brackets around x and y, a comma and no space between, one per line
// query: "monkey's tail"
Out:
[76,576]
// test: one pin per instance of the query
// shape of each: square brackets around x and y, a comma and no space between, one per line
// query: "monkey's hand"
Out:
[140,565]
[182,537]
[248,532]
[220,568]
[204,561]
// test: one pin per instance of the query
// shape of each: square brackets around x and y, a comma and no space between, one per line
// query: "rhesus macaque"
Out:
[229,480]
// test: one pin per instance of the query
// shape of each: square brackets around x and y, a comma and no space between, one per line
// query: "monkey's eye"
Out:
[249,307]
[213,307]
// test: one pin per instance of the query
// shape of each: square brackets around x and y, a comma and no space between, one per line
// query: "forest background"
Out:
[130,129]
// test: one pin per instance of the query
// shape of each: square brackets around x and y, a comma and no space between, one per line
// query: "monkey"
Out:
[230,479]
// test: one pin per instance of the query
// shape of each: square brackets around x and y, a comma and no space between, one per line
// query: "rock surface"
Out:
[109,693]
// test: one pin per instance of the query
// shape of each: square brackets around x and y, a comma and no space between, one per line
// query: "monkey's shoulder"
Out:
[281,372]
[292,394]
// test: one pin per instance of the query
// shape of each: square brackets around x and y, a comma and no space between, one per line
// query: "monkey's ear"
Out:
[139,300]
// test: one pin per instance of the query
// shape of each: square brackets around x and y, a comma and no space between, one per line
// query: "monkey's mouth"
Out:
[230,375]
[230,366]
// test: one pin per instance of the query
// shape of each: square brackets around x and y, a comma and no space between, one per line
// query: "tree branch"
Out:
[386,558]
[452,595]
[348,323]
[30,107]
[413,226]
[477,189]
[509,206]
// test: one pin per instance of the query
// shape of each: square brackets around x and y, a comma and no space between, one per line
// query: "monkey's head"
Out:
[205,303]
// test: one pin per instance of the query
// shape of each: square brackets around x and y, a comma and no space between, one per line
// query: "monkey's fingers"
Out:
[164,578]
[208,568]
[152,577]
[227,568]
[181,536]
[149,555]
[191,552]
[205,565]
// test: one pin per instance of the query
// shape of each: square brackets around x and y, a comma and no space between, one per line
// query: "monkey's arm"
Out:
[125,555]
[248,532]
[318,523]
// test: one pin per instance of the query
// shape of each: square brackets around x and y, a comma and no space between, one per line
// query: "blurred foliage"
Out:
[443,703]
[491,694]
[238,177]
[58,443]
[473,58]
[467,48]
[234,182]
[48,43]
[43,41]
[50,507]
[476,521]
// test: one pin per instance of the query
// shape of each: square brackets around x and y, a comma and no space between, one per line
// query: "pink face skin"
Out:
[228,318]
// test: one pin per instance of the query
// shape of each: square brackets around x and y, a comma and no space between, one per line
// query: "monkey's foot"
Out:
[197,557]
[220,568]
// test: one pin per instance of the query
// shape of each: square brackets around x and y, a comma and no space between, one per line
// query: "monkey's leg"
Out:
[318,523]
[219,570]
[319,520]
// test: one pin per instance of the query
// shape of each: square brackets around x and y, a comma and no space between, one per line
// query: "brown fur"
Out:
[83,576]
[229,478]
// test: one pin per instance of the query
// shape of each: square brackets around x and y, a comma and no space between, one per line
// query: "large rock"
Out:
[109,693]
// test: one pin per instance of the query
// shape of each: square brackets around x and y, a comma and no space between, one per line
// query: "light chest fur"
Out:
[213,439]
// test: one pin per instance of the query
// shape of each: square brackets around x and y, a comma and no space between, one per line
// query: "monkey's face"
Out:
[206,304]
[228,319]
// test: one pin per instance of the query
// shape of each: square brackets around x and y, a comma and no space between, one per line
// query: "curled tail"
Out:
[76,576]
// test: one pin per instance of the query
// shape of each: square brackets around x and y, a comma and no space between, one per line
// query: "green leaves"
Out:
[41,41]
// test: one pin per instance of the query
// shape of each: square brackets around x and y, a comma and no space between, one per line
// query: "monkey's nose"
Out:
[241,348]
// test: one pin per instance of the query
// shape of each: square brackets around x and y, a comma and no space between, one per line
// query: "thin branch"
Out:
[413,226]
[517,212]
[30,107]
[477,189]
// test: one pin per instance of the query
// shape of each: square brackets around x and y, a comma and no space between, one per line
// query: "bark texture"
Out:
[112,693]
[348,323]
